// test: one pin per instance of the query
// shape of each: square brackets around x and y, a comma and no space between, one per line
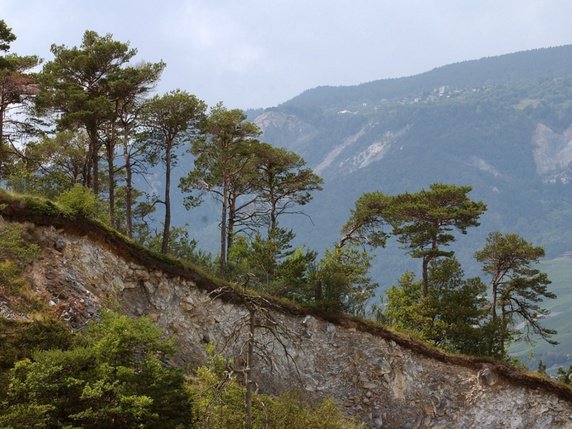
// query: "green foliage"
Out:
[51,165]
[294,274]
[461,307]
[429,215]
[218,401]
[17,250]
[41,208]
[6,36]
[25,181]
[170,120]
[341,280]
[270,264]
[81,202]
[452,316]
[113,376]
[368,220]
[517,286]
[564,375]
[282,181]
[11,280]
[181,246]
[224,168]
[16,90]
[16,246]
[403,309]
[422,221]
[20,340]
[140,212]
[291,411]
[456,315]
[75,82]
[559,271]
[217,397]
[255,183]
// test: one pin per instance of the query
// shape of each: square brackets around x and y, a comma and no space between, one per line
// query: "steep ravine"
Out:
[386,380]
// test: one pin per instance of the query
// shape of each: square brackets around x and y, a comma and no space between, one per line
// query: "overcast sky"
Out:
[259,53]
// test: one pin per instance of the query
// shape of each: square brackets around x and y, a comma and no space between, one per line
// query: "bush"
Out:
[16,252]
[14,246]
[81,202]
[113,376]
[40,208]
[218,401]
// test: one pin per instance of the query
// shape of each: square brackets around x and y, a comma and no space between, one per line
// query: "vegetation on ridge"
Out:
[98,102]
[100,129]
[116,374]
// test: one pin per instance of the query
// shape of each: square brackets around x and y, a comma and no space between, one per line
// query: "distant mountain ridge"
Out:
[502,125]
[520,66]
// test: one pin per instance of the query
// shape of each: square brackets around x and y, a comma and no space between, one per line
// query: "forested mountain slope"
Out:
[502,125]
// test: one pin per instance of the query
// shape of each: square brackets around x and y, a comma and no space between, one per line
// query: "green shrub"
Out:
[218,403]
[14,246]
[11,280]
[40,208]
[114,376]
[80,201]
[291,411]
[17,251]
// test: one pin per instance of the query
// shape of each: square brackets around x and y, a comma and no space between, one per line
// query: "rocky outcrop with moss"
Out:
[385,379]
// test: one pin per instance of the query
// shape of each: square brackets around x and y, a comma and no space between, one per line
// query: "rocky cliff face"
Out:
[553,154]
[384,379]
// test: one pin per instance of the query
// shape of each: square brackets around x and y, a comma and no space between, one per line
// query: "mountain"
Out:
[502,125]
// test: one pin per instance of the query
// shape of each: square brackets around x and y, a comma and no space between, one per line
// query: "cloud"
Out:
[260,52]
[216,35]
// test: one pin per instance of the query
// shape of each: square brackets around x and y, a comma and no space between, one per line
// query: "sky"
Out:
[260,53]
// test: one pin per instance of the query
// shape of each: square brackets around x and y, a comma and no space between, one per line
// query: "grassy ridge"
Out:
[42,212]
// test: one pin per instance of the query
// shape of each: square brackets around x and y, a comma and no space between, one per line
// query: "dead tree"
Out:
[264,333]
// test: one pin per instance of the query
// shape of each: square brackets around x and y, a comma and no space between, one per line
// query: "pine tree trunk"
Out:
[426,260]
[111,183]
[222,265]
[273,216]
[95,170]
[128,191]
[494,303]
[230,224]
[2,170]
[318,291]
[167,221]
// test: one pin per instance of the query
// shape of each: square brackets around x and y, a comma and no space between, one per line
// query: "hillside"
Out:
[502,125]
[385,379]
[505,69]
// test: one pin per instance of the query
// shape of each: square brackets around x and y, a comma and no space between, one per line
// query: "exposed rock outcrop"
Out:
[553,154]
[386,380]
